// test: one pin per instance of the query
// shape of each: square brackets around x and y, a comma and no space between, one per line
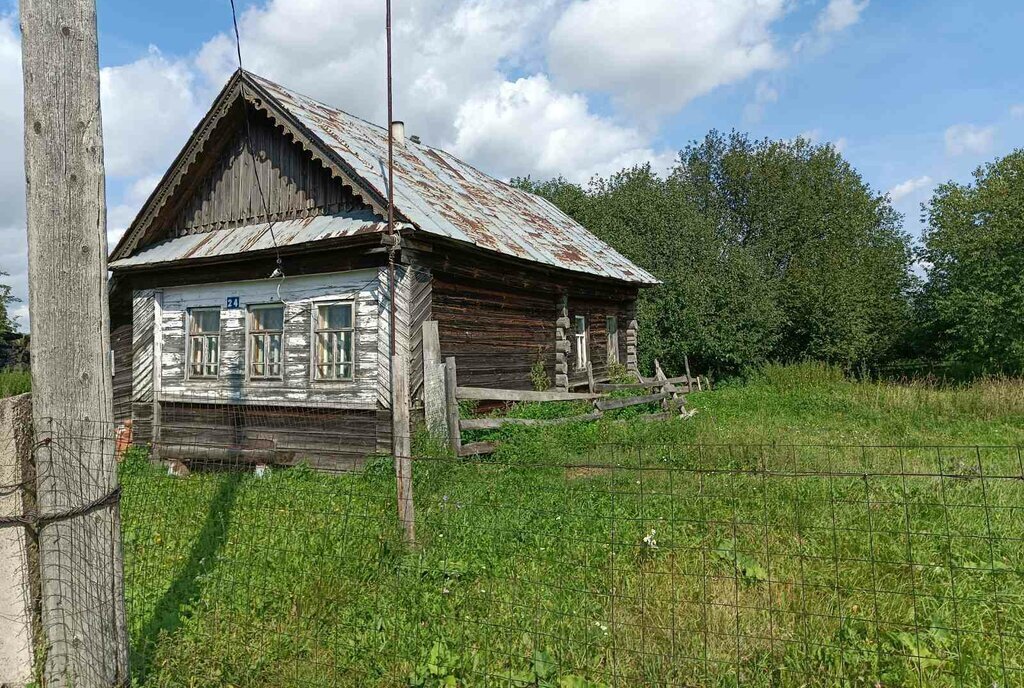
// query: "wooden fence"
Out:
[442,395]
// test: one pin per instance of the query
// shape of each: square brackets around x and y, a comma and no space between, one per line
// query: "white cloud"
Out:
[840,14]
[1017,111]
[565,138]
[657,55]
[909,188]
[450,87]
[811,135]
[13,254]
[149,109]
[969,138]
[841,144]
[765,94]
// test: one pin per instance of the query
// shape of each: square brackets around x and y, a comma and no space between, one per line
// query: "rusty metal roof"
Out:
[226,242]
[439,194]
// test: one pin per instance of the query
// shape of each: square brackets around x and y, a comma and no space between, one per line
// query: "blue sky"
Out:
[913,92]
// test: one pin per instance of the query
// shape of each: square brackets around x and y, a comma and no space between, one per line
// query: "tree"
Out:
[8,322]
[767,250]
[973,303]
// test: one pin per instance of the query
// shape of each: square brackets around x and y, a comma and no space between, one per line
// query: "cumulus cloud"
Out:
[840,14]
[909,188]
[13,258]
[656,56]
[149,109]
[964,139]
[564,136]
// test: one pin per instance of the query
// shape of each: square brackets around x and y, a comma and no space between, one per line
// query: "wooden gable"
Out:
[211,185]
[223,190]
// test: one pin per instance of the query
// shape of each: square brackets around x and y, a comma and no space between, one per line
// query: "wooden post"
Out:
[17,546]
[689,380]
[80,557]
[402,443]
[590,376]
[433,382]
[452,405]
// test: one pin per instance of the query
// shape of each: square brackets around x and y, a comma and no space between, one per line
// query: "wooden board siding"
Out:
[413,295]
[121,348]
[296,388]
[324,438]
[496,333]
[225,193]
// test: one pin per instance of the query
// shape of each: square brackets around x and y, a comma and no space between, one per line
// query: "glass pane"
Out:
[211,349]
[274,353]
[196,345]
[335,317]
[256,355]
[268,318]
[345,370]
[613,325]
[205,321]
[581,324]
[345,347]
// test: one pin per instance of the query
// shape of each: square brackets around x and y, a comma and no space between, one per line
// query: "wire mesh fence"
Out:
[661,565]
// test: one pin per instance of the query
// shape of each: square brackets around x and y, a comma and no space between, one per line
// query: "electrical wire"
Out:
[279,271]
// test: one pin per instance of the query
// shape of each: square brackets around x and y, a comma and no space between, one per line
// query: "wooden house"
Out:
[249,298]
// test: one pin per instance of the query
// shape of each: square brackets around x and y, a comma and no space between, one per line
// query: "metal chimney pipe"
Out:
[398,132]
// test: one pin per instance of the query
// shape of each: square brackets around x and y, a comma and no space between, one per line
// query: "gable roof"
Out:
[435,192]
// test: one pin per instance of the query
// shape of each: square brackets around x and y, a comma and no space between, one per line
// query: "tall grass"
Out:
[14,382]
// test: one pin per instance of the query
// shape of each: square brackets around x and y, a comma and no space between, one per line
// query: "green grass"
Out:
[845,567]
[14,382]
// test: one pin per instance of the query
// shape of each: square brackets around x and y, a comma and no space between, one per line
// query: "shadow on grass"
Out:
[175,606]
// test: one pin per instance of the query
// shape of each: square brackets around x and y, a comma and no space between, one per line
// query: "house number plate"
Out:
[232,302]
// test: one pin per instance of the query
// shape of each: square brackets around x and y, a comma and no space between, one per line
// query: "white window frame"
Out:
[250,334]
[315,339]
[581,340]
[611,324]
[189,345]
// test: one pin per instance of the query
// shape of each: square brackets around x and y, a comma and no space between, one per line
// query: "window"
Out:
[334,342]
[203,342]
[613,339]
[266,332]
[582,355]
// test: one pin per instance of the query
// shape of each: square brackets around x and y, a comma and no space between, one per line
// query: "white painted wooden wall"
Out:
[299,294]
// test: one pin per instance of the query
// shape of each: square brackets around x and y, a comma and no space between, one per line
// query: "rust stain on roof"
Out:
[444,196]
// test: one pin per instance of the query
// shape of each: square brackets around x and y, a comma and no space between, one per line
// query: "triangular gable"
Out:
[214,157]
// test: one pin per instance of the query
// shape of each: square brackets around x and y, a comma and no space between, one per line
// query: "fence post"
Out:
[452,405]
[433,382]
[19,566]
[402,446]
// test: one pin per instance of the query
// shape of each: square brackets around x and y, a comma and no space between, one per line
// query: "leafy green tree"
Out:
[8,322]
[973,303]
[767,250]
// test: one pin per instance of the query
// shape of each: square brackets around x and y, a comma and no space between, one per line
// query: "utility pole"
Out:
[81,611]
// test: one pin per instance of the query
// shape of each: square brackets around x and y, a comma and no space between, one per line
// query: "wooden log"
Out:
[206,452]
[402,441]
[686,362]
[452,405]
[477,448]
[607,387]
[495,423]
[612,404]
[486,394]
[434,410]
[590,377]
[81,571]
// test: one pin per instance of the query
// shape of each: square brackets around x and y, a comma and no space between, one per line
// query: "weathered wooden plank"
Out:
[452,404]
[485,394]
[433,382]
[612,404]
[495,423]
[609,387]
[402,439]
[478,448]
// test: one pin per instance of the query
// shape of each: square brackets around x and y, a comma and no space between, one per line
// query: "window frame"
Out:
[611,326]
[189,346]
[582,352]
[250,333]
[315,330]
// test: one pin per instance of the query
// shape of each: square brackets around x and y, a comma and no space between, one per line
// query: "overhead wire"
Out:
[279,270]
